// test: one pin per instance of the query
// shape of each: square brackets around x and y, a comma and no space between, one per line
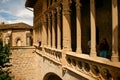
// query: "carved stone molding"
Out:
[105,73]
[93,69]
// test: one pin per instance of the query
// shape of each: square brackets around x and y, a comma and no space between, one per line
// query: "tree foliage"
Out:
[4,61]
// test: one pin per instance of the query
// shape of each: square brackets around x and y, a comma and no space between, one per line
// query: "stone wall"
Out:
[46,66]
[72,76]
[23,63]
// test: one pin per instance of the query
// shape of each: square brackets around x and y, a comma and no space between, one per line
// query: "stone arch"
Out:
[51,76]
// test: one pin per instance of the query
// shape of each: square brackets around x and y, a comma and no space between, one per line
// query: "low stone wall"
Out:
[23,63]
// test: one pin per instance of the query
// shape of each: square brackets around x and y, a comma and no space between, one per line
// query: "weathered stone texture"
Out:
[23,64]
[19,34]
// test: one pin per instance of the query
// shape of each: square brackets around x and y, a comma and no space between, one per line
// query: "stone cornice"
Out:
[49,9]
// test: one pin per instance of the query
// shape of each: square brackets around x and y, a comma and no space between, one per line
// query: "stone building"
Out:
[63,27]
[18,34]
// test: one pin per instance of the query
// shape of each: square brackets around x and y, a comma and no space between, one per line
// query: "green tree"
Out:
[4,61]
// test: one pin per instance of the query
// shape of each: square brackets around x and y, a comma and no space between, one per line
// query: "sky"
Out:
[14,11]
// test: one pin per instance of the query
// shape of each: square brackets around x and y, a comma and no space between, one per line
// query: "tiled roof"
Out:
[15,26]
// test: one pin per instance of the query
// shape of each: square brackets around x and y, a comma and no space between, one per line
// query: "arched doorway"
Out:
[51,76]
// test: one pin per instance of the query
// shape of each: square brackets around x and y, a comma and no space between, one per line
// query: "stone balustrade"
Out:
[54,54]
[93,68]
[49,53]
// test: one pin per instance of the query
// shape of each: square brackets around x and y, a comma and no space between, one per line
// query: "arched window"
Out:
[18,42]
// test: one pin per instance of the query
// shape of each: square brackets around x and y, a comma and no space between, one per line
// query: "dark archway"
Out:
[104,22]
[51,76]
[73,26]
[85,25]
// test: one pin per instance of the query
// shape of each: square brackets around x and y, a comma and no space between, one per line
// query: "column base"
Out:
[93,54]
[53,47]
[67,50]
[58,47]
[115,58]
[78,51]
[49,46]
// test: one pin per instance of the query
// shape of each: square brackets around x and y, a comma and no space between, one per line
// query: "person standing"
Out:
[89,46]
[103,48]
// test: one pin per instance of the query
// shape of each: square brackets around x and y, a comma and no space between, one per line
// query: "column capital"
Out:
[78,4]
[59,9]
[53,11]
[49,15]
[114,3]
[53,14]
[66,5]
[92,1]
[69,3]
[44,18]
[40,20]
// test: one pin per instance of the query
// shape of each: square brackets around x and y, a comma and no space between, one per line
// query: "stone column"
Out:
[39,33]
[66,26]
[41,39]
[53,29]
[42,33]
[78,26]
[59,27]
[44,30]
[49,30]
[115,56]
[93,28]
